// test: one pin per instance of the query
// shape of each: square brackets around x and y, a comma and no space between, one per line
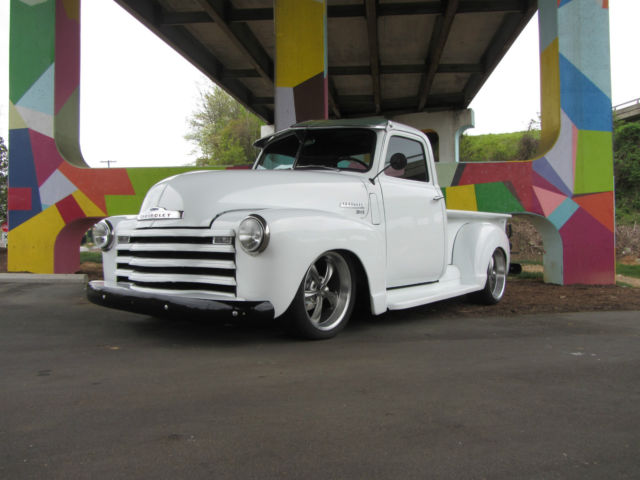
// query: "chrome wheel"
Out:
[327,291]
[497,274]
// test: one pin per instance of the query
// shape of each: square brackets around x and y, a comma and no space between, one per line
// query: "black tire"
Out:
[496,283]
[324,301]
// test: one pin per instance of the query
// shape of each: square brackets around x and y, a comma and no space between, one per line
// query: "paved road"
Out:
[87,392]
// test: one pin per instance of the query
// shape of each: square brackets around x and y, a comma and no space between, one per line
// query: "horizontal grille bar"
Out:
[185,287]
[177,260]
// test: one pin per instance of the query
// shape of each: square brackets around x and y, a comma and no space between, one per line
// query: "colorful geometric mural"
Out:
[569,189]
[301,61]
[567,192]
[53,197]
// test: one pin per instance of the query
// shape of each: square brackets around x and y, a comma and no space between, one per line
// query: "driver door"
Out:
[414,211]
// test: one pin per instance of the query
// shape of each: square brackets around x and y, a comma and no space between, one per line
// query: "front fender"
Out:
[297,238]
[472,249]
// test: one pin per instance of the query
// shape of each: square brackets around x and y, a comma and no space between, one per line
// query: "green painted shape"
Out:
[446,172]
[496,197]
[66,126]
[594,162]
[142,179]
[32,44]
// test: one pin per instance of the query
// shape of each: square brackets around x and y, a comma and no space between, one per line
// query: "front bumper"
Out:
[170,305]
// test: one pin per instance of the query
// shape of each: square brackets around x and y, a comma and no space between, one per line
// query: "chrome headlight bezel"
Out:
[253,234]
[102,234]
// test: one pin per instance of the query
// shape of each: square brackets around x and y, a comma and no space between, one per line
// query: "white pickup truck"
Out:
[330,211]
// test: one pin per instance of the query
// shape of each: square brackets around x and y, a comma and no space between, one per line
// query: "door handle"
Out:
[438,197]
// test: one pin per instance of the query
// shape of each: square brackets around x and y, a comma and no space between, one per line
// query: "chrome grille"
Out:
[177,260]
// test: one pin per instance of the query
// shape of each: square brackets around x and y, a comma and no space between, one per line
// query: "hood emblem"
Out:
[159,213]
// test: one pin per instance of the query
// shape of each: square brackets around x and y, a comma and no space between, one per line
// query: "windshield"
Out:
[333,149]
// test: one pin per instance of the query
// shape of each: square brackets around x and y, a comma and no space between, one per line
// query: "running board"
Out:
[449,286]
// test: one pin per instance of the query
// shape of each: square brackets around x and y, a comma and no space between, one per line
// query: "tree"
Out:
[4,180]
[626,167]
[223,130]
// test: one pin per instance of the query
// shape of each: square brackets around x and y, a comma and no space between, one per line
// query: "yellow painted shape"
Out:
[549,96]
[15,119]
[72,8]
[462,198]
[300,40]
[31,245]
[89,208]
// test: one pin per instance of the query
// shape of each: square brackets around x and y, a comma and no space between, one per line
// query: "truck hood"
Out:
[202,196]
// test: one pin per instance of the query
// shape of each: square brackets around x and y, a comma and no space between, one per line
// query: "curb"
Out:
[43,278]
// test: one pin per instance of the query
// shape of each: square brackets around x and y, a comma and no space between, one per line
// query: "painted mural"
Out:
[567,191]
[53,197]
[301,61]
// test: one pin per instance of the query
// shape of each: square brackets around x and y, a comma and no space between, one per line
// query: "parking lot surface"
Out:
[88,392]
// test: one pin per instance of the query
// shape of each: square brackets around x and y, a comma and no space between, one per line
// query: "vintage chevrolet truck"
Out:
[331,212]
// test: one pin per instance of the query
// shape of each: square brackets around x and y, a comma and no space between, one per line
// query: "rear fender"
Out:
[472,249]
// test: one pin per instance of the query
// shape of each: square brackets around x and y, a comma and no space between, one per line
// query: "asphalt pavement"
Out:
[88,392]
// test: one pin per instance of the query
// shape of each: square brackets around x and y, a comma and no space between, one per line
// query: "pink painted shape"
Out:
[589,251]
[66,251]
[67,74]
[549,201]
[45,156]
[574,152]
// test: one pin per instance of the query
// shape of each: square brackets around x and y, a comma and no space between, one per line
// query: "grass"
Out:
[628,270]
[95,257]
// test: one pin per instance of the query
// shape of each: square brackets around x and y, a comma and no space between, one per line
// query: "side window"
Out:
[416,161]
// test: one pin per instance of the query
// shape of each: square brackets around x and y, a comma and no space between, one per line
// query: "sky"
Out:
[137,93]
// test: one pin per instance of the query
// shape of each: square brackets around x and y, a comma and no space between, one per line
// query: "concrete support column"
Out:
[568,190]
[301,61]
[449,125]
[53,197]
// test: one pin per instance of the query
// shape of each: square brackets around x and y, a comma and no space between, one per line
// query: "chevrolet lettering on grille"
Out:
[159,213]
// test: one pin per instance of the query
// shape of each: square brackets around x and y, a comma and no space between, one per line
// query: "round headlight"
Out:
[102,234]
[253,234]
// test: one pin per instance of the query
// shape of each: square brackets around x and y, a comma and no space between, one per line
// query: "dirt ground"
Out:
[522,296]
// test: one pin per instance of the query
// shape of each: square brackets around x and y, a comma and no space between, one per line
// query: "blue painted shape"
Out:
[584,103]
[564,2]
[22,174]
[40,96]
[543,168]
[563,212]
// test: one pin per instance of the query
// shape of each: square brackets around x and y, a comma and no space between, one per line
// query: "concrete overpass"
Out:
[628,111]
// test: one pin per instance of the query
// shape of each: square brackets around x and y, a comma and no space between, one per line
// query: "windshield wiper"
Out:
[322,167]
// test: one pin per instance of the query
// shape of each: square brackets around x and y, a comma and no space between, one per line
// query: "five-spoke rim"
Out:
[497,274]
[327,291]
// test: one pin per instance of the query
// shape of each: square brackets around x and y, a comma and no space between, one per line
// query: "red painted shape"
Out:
[599,206]
[518,173]
[66,251]
[69,209]
[95,183]
[19,198]
[67,74]
[46,157]
[589,251]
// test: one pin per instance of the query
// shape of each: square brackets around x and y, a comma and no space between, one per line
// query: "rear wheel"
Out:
[496,283]
[324,301]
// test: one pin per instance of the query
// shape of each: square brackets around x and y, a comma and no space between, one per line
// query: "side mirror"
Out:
[398,161]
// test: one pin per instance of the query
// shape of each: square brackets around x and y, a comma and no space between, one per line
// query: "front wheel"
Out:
[324,301]
[496,283]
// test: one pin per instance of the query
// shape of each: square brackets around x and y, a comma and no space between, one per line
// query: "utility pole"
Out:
[108,162]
